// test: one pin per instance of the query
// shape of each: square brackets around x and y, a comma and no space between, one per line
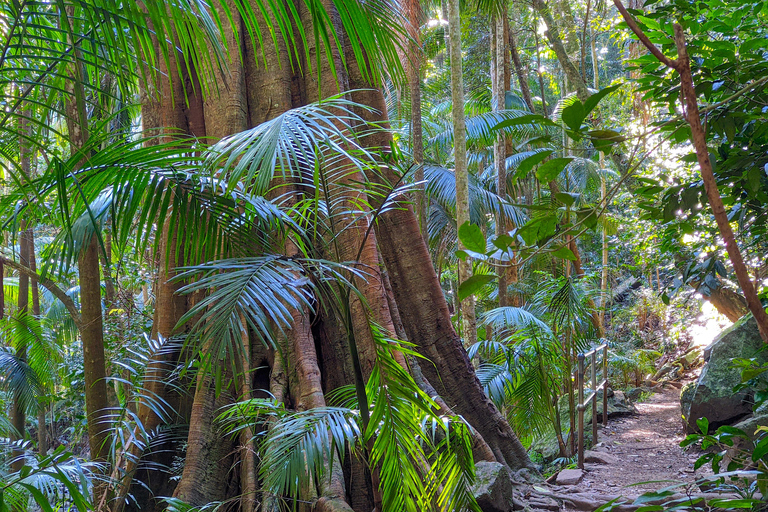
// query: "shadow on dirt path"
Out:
[644,447]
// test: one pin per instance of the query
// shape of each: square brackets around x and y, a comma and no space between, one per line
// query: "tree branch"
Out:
[50,286]
[644,38]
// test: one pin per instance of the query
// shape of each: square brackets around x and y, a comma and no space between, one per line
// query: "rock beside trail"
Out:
[712,396]
[599,457]
[569,477]
[493,488]
[751,424]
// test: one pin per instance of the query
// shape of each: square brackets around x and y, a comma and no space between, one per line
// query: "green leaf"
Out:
[567,198]
[471,237]
[593,100]
[474,284]
[564,253]
[527,164]
[502,242]
[573,115]
[729,504]
[703,424]
[760,450]
[552,169]
[526,119]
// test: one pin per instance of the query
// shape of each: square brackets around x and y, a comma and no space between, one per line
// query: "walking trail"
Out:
[639,453]
[646,447]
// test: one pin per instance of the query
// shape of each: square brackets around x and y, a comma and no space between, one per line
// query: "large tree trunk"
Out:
[94,364]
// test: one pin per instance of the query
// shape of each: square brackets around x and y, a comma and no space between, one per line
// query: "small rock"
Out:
[569,477]
[599,457]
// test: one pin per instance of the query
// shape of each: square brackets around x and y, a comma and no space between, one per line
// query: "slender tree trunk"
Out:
[460,163]
[18,414]
[500,147]
[42,431]
[522,75]
[92,331]
[699,139]
[413,61]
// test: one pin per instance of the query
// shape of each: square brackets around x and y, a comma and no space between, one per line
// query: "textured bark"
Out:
[209,456]
[413,69]
[42,430]
[94,364]
[728,303]
[92,330]
[553,34]
[499,147]
[26,255]
[469,322]
[164,110]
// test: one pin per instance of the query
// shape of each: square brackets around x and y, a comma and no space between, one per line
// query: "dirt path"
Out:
[646,448]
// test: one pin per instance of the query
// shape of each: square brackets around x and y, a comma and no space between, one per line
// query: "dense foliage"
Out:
[268,256]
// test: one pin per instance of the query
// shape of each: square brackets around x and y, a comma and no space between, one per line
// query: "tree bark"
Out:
[499,146]
[469,322]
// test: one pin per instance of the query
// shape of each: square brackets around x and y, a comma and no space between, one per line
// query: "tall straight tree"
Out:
[460,162]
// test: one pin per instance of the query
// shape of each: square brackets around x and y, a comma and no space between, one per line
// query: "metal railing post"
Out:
[581,411]
[605,387]
[593,364]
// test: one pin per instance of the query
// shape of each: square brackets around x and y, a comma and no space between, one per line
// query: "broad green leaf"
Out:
[573,115]
[730,504]
[567,198]
[474,284]
[564,253]
[471,237]
[503,242]
[550,170]
[607,135]
[703,424]
[527,164]
[593,100]
[760,450]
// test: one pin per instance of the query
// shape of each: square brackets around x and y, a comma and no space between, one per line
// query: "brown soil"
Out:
[647,446]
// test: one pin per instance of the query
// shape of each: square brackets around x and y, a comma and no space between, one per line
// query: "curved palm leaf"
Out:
[509,317]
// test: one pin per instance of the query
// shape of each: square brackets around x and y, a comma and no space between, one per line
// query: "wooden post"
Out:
[593,364]
[581,411]
[605,386]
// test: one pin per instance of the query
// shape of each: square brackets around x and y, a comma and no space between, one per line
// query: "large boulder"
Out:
[712,396]
[493,488]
